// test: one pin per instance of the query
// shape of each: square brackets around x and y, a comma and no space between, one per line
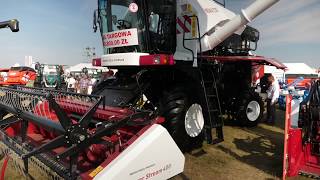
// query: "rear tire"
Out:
[250,110]
[175,104]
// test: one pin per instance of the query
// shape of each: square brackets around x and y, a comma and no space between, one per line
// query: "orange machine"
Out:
[19,76]
[3,74]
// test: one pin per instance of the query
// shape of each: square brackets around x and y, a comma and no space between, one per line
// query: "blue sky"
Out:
[57,31]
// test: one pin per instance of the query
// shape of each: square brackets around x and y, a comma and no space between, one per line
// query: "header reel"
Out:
[73,146]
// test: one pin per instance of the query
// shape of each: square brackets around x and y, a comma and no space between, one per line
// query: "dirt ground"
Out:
[247,153]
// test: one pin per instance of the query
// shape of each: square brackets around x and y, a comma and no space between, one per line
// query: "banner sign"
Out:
[127,37]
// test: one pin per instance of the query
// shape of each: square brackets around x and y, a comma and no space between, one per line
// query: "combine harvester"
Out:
[186,61]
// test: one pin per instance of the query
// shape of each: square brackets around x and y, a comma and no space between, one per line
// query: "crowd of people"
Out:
[80,84]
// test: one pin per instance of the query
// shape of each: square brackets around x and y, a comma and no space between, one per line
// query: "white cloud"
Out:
[290,22]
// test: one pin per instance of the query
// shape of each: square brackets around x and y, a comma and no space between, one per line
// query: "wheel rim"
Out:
[253,110]
[194,121]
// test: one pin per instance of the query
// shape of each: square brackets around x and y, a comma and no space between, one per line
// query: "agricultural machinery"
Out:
[302,137]
[49,76]
[291,88]
[188,60]
[180,65]
[20,75]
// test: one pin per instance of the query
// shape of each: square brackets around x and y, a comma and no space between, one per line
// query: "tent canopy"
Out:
[79,67]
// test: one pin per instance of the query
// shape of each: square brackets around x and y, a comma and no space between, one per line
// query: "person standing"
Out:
[84,83]
[71,84]
[272,98]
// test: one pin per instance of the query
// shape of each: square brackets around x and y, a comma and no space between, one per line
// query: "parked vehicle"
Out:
[21,75]
[50,76]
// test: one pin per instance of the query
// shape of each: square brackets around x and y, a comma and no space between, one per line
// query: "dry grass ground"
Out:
[254,153]
[247,153]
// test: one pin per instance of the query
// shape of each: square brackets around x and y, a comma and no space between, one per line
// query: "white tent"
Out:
[292,69]
[79,67]
[299,68]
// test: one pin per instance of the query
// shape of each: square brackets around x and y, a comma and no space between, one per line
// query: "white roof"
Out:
[299,68]
[79,67]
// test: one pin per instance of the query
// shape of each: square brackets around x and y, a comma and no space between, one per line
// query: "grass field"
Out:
[247,153]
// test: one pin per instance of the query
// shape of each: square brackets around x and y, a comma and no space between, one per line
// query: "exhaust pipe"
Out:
[218,34]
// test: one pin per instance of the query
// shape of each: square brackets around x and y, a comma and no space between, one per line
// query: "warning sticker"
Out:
[96,171]
[127,37]
[133,7]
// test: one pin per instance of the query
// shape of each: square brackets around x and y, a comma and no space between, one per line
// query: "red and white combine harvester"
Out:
[302,135]
[180,64]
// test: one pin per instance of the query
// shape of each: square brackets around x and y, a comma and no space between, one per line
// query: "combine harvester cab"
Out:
[59,135]
[302,135]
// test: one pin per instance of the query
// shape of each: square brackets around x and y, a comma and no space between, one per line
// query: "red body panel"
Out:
[297,155]
[305,83]
[255,59]
[20,77]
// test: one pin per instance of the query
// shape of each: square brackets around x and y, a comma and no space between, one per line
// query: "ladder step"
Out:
[208,82]
[211,95]
[217,125]
[213,110]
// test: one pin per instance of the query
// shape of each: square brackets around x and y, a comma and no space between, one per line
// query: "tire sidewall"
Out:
[176,125]
[242,114]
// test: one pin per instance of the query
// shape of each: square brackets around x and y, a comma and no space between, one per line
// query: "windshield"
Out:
[122,26]
[50,73]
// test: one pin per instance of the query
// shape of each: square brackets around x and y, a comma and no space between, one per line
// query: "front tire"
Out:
[178,106]
[250,110]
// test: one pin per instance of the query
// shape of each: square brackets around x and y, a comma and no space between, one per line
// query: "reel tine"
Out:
[55,143]
[68,152]
[64,120]
[24,128]
[85,120]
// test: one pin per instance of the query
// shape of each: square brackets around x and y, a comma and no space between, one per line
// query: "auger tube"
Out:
[218,34]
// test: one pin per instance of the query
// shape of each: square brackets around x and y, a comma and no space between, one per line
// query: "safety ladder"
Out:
[213,110]
[208,74]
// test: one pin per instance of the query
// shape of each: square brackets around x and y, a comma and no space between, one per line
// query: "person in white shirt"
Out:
[273,95]
[71,84]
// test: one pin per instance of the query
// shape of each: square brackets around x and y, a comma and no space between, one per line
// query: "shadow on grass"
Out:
[183,176]
[264,152]
[279,122]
